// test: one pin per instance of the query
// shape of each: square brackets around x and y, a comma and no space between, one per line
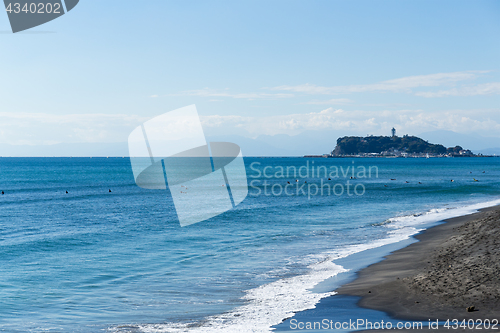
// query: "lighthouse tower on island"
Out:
[393,132]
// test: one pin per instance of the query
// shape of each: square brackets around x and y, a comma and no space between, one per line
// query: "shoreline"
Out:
[439,276]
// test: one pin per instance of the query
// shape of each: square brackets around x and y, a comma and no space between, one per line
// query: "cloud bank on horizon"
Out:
[359,119]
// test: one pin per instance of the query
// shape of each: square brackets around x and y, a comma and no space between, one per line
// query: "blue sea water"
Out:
[91,260]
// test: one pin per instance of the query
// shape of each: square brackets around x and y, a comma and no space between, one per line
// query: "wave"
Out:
[435,215]
[272,303]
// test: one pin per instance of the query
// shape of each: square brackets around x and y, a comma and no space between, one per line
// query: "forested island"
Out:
[406,146]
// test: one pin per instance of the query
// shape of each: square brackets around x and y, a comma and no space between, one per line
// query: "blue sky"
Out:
[253,68]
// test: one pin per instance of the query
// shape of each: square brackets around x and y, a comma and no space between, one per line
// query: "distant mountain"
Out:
[489,151]
[449,138]
[252,147]
[305,143]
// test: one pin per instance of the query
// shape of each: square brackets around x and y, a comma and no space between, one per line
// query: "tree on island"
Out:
[353,145]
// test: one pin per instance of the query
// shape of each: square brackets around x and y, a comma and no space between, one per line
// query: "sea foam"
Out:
[272,303]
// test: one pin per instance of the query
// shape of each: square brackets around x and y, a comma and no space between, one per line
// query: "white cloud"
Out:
[334,101]
[492,88]
[206,92]
[42,128]
[361,122]
[404,84]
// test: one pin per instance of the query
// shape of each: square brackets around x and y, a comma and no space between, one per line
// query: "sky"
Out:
[253,68]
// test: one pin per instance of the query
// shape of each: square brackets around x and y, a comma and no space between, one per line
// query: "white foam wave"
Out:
[436,214]
[270,304]
[267,305]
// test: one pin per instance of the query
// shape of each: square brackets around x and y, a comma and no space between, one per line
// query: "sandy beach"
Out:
[455,265]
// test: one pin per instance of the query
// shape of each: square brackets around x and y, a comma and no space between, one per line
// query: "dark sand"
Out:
[454,265]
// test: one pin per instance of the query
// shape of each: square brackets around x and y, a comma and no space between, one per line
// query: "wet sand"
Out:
[454,265]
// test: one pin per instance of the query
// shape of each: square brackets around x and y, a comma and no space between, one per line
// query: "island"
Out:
[406,146]
[393,146]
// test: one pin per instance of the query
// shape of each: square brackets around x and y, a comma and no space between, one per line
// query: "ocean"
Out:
[109,256]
